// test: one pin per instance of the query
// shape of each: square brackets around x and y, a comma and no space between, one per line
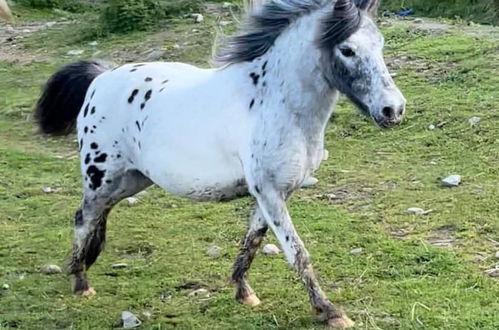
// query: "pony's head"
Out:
[353,58]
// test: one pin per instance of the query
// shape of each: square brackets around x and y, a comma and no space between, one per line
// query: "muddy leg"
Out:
[273,206]
[254,237]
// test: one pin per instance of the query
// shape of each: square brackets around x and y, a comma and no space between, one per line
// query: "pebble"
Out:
[50,24]
[270,249]
[93,43]
[497,255]
[155,55]
[47,190]
[474,120]
[431,127]
[452,181]
[198,18]
[5,286]
[165,296]
[132,201]
[494,272]
[130,321]
[225,23]
[309,182]
[418,20]
[51,269]
[214,251]
[199,293]
[119,265]
[356,251]
[417,211]
[75,52]
[143,193]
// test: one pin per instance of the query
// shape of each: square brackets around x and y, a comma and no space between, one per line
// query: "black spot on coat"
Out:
[101,159]
[148,79]
[95,176]
[87,159]
[94,145]
[255,78]
[132,96]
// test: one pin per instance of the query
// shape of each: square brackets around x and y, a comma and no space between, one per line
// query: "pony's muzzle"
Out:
[391,114]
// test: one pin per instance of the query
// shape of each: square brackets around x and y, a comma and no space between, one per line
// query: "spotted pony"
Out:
[254,124]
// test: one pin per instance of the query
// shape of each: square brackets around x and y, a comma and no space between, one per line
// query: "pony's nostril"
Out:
[388,112]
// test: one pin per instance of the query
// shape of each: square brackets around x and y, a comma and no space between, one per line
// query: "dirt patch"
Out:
[443,237]
[12,50]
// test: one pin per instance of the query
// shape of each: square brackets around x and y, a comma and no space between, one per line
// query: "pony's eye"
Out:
[347,52]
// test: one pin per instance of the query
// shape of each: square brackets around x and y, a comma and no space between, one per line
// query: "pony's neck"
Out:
[290,75]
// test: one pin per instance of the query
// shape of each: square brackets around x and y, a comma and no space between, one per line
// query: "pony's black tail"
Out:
[63,97]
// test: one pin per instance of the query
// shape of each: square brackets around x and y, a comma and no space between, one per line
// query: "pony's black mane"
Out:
[265,25]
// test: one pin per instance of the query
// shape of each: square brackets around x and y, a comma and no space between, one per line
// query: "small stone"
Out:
[356,251]
[165,296]
[309,182]
[494,272]
[497,255]
[431,127]
[199,293]
[198,18]
[214,251]
[119,266]
[176,46]
[325,154]
[47,190]
[225,23]
[146,315]
[143,193]
[417,211]
[93,43]
[130,321]
[50,24]
[132,201]
[51,269]
[452,181]
[9,28]
[418,20]
[75,52]
[270,249]
[393,74]
[26,31]
[474,120]
[5,286]
[155,55]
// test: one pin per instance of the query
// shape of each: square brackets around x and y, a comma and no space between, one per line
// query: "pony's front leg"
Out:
[254,237]
[273,206]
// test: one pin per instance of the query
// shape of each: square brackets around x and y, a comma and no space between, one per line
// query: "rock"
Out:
[309,182]
[417,211]
[5,286]
[198,18]
[130,321]
[26,31]
[325,155]
[494,272]
[47,190]
[356,251]
[474,120]
[75,52]
[119,266]
[50,24]
[165,296]
[418,20]
[199,293]
[214,251]
[146,315]
[270,249]
[225,23]
[9,28]
[132,201]
[431,127]
[497,255]
[51,269]
[93,43]
[155,55]
[452,181]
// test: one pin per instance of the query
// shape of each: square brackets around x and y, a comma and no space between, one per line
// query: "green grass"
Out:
[400,281]
[480,11]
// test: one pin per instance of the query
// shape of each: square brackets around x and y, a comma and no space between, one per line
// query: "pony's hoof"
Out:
[251,300]
[342,322]
[87,293]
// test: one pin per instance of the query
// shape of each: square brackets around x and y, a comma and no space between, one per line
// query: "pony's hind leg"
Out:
[254,237]
[90,223]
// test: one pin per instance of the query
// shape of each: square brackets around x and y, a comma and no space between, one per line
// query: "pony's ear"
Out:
[370,6]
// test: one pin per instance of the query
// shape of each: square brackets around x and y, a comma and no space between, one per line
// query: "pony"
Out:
[253,124]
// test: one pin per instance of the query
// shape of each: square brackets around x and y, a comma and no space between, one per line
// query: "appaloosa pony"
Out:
[255,124]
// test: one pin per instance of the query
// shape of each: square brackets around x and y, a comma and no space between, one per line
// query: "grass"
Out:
[480,11]
[400,281]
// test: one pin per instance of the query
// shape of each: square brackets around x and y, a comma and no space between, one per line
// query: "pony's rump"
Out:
[63,96]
